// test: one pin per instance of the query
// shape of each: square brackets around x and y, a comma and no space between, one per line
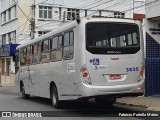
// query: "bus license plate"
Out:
[114,77]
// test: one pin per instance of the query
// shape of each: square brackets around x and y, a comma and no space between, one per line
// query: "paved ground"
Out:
[11,101]
[149,103]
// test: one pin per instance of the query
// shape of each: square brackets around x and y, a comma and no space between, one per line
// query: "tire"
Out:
[24,95]
[55,100]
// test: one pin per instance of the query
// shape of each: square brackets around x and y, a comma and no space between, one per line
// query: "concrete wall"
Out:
[152,8]
[10,25]
[152,28]
[23,32]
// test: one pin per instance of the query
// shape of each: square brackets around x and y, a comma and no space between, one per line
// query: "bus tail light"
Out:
[141,73]
[85,75]
[142,70]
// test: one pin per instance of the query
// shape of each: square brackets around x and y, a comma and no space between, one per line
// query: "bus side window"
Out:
[22,56]
[68,45]
[29,57]
[45,51]
[16,61]
[37,53]
[56,48]
[71,45]
[32,53]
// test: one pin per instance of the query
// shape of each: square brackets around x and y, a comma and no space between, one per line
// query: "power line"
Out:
[122,11]
[74,3]
[26,21]
[22,10]
[127,9]
[83,6]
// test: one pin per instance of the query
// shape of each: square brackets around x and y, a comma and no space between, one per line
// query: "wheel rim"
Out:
[54,98]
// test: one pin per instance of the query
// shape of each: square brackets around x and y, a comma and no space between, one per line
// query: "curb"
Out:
[141,106]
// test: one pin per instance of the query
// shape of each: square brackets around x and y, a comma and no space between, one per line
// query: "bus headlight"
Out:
[85,75]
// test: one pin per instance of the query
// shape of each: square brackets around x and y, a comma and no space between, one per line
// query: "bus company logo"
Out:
[114,52]
[95,68]
[95,61]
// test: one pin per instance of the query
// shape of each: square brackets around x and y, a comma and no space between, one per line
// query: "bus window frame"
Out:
[58,47]
[68,31]
[45,51]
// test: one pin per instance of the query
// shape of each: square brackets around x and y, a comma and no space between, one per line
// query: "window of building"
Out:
[45,12]
[0,40]
[13,37]
[4,17]
[119,14]
[9,38]
[15,11]
[68,45]
[9,14]
[4,39]
[72,14]
[8,66]
[56,48]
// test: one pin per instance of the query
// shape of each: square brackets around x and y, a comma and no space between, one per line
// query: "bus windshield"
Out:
[112,38]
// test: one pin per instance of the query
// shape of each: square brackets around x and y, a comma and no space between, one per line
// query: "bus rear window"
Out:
[112,38]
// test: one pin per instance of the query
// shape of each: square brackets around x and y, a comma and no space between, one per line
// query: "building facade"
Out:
[25,20]
[11,19]
[152,27]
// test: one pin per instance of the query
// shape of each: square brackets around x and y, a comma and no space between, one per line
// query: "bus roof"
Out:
[51,33]
[72,24]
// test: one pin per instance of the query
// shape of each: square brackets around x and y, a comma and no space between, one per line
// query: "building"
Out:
[11,19]
[24,20]
[152,27]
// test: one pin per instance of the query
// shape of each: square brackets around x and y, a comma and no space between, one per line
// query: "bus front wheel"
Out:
[55,100]
[24,95]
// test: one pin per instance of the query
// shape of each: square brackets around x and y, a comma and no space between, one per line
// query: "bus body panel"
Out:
[128,67]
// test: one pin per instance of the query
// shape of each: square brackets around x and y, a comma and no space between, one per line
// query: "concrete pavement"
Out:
[149,103]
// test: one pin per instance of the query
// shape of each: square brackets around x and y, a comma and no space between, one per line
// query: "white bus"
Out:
[99,58]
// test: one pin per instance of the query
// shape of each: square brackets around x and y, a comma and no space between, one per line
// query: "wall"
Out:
[23,32]
[152,27]
[152,8]
[9,25]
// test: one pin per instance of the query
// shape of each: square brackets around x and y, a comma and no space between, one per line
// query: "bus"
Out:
[98,58]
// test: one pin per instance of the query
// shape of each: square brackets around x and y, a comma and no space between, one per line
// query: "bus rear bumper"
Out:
[135,89]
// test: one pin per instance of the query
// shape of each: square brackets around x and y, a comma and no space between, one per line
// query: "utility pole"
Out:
[32,22]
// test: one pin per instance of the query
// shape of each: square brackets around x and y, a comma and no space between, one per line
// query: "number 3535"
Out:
[132,69]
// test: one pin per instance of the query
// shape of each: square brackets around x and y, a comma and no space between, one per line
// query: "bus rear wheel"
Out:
[24,95]
[55,100]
